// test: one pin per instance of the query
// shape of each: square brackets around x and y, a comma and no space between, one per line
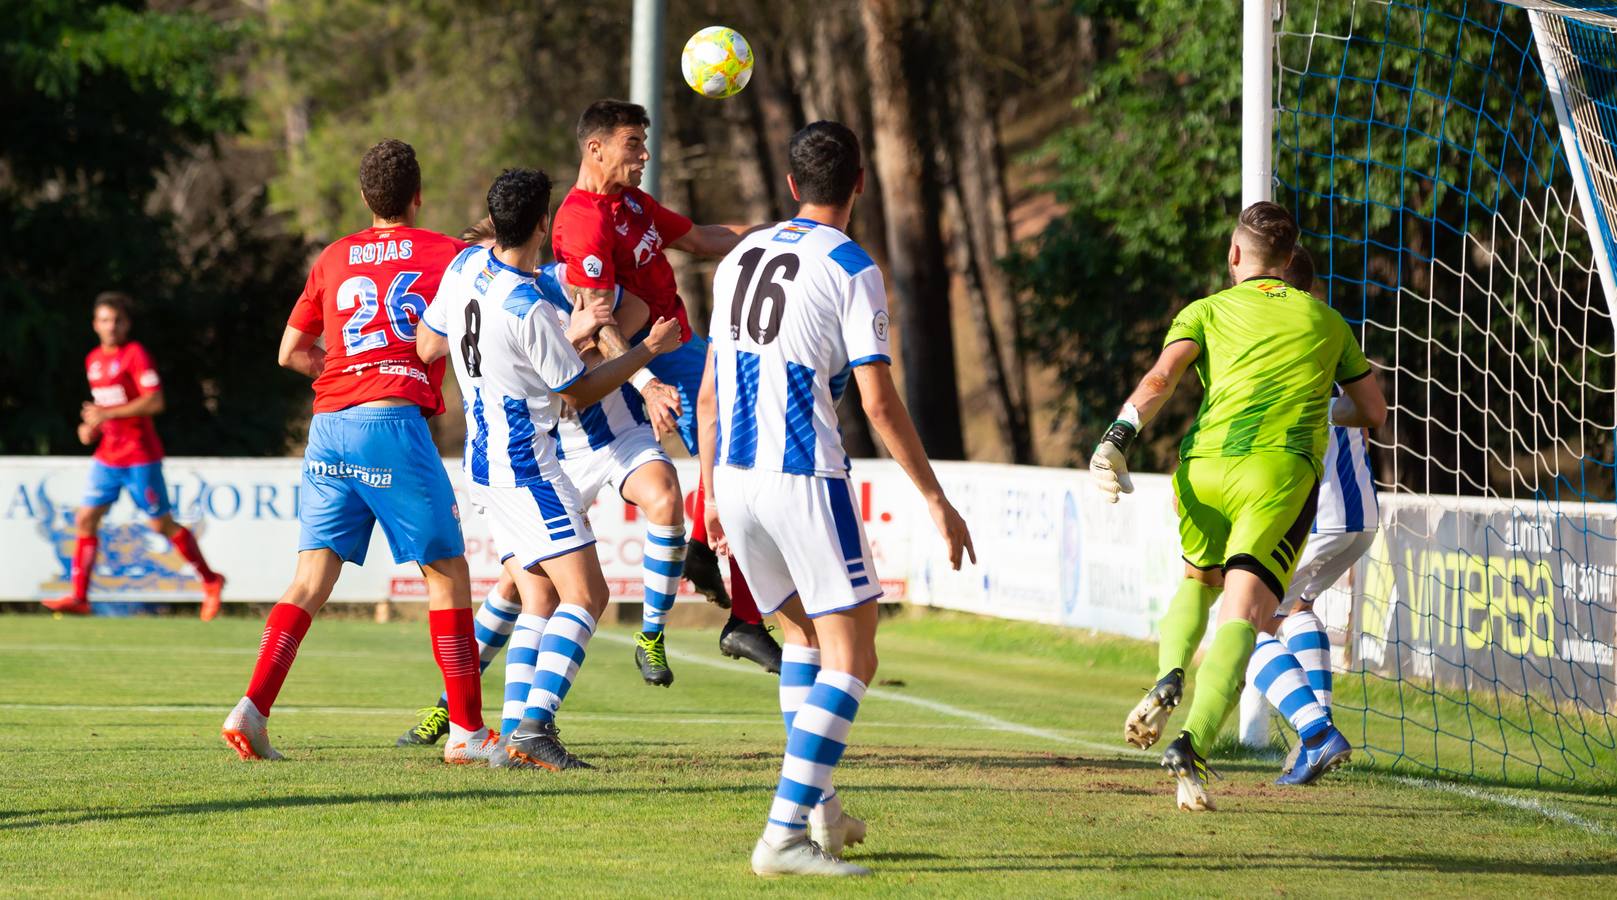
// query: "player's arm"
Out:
[1362,404]
[892,422]
[1108,463]
[149,404]
[711,241]
[588,388]
[707,440]
[300,352]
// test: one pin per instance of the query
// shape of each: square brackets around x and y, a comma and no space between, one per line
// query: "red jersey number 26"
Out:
[403,310]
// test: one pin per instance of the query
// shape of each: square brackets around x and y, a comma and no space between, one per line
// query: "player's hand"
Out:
[1110,471]
[588,317]
[88,433]
[953,529]
[92,415]
[715,529]
[665,336]
[662,406]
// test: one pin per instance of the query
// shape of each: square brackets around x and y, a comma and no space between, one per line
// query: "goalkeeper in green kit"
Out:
[1267,355]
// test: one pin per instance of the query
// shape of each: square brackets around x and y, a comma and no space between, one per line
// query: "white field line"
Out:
[1537,807]
[983,720]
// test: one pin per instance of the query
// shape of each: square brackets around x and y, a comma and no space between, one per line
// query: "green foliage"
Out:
[98,100]
[1150,182]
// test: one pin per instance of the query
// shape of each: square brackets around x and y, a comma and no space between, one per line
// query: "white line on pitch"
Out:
[992,723]
[1523,803]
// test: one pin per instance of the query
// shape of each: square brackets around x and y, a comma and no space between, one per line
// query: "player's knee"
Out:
[665,507]
[88,520]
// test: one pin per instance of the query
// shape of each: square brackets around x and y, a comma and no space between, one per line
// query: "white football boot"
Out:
[835,834]
[246,730]
[466,748]
[799,857]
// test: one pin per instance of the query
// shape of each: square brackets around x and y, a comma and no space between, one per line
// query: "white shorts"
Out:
[796,534]
[1326,557]
[536,522]
[612,464]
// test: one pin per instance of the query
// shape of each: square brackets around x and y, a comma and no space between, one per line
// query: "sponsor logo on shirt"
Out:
[111,395]
[646,250]
[592,265]
[367,475]
[404,371]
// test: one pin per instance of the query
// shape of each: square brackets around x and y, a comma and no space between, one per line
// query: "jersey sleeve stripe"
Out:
[569,382]
[852,258]
[1358,377]
[1180,340]
[872,358]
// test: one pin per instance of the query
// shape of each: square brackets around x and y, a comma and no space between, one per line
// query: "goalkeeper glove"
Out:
[1107,464]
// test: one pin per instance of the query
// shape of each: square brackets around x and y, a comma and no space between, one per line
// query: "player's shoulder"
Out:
[133,350]
[547,282]
[464,259]
[520,298]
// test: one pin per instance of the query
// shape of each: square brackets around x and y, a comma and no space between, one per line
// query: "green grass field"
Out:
[988,762]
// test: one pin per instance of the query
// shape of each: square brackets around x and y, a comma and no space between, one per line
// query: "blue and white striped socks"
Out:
[561,652]
[814,746]
[799,666]
[519,665]
[1278,674]
[1305,637]
[663,564]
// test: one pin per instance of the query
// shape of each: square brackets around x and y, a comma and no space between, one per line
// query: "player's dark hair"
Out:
[1271,232]
[479,231]
[825,163]
[518,202]
[389,178]
[607,116]
[114,300]
[1300,271]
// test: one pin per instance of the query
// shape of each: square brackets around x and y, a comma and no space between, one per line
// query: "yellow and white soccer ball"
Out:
[717,62]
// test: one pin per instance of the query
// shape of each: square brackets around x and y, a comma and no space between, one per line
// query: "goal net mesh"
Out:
[1449,164]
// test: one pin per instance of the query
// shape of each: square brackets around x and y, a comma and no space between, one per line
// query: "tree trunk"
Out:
[916,256]
[984,221]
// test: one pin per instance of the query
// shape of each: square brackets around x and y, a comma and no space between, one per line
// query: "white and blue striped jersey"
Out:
[1347,493]
[510,359]
[618,413]
[796,308]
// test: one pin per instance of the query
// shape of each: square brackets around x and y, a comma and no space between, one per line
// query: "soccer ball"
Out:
[717,62]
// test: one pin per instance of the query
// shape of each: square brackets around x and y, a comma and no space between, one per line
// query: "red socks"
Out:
[741,602]
[283,632]
[83,564]
[455,648]
[186,542]
[742,605]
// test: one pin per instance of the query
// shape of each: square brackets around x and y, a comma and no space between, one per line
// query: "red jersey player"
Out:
[126,394]
[609,233]
[370,458]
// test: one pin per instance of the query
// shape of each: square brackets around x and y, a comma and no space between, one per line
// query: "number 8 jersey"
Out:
[365,295]
[796,307]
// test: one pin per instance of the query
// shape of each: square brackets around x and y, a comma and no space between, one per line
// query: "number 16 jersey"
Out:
[796,307]
[365,295]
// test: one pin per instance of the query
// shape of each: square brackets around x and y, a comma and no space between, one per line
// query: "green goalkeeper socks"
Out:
[1218,682]
[1182,627]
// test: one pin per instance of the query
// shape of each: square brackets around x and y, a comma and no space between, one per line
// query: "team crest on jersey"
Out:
[792,232]
[630,202]
[112,369]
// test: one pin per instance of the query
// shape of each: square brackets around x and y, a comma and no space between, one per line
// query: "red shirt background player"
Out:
[118,375]
[365,295]
[126,393]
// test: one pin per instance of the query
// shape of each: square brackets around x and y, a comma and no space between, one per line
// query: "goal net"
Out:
[1451,166]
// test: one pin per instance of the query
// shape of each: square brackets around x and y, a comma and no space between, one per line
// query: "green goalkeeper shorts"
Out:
[1247,512]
